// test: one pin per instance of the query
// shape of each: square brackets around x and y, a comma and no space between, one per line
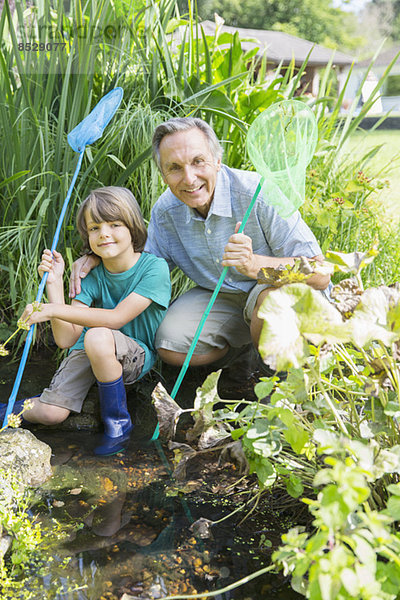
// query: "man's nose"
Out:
[189,175]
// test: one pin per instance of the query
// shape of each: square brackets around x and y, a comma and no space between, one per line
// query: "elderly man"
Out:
[194,226]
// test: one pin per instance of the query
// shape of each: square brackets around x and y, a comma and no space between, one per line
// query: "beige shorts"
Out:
[227,323]
[74,377]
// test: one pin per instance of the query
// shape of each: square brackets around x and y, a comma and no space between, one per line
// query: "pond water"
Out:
[124,525]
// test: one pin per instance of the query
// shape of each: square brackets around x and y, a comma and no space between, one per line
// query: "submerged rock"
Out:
[25,456]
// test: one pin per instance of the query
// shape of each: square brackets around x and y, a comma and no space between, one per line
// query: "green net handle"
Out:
[209,306]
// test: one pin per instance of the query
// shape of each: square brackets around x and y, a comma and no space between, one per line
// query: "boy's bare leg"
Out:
[47,414]
[100,349]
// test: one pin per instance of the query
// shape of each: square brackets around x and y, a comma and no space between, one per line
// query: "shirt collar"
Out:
[221,204]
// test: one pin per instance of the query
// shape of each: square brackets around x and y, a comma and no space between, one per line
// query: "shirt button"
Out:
[217,260]
[208,230]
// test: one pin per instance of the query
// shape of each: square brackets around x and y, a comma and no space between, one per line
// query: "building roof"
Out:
[383,59]
[283,47]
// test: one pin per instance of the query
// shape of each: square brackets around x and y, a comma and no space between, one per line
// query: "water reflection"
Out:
[126,524]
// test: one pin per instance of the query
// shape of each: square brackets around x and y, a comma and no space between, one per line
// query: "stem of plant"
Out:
[228,588]
[322,389]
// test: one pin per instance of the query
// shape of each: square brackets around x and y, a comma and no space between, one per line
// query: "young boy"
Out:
[110,326]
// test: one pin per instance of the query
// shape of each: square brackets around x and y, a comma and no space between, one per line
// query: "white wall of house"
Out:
[384,103]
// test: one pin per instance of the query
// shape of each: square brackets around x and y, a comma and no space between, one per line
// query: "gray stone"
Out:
[22,454]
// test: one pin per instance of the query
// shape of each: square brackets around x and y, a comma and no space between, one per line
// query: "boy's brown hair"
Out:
[113,204]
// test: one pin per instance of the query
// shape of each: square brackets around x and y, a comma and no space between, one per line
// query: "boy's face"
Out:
[110,240]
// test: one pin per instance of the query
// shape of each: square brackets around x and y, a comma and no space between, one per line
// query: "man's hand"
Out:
[238,253]
[80,269]
[53,264]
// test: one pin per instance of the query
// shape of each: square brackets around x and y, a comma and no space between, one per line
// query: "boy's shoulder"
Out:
[152,259]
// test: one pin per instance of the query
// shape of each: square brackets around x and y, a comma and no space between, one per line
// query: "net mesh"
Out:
[91,128]
[281,142]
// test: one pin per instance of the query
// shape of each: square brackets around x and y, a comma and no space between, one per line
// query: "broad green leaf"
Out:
[352,262]
[393,507]
[293,316]
[294,486]
[369,321]
[296,437]
[350,581]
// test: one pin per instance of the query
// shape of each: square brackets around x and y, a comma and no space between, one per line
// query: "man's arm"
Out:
[239,254]
[79,315]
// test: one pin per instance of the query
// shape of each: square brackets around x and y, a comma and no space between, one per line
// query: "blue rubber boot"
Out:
[116,418]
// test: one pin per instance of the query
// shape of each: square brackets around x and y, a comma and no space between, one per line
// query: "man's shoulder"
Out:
[240,180]
[165,203]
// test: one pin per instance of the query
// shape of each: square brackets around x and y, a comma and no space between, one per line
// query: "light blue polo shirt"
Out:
[196,245]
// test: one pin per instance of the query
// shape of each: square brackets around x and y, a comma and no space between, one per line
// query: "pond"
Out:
[124,525]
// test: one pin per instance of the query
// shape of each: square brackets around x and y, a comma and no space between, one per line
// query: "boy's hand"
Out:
[35,313]
[53,264]
[80,268]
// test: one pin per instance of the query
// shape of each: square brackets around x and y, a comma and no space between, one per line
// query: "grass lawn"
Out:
[384,165]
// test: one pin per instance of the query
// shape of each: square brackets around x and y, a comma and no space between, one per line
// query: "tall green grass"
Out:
[167,67]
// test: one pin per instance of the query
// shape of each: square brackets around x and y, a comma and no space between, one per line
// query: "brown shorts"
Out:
[74,377]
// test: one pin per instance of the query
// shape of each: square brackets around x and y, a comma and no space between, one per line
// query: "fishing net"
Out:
[91,128]
[281,143]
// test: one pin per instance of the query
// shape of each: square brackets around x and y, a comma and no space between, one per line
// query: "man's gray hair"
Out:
[184,124]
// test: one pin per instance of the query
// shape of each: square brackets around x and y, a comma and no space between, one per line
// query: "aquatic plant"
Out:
[328,418]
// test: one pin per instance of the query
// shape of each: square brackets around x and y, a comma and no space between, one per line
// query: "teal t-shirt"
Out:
[150,278]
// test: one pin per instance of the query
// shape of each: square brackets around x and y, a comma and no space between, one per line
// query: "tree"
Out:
[315,20]
[385,14]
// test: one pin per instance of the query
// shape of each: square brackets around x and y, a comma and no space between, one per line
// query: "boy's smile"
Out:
[112,242]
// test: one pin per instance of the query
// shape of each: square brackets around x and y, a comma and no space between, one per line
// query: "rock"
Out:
[5,543]
[22,454]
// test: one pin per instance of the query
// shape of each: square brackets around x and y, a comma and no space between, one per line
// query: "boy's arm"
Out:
[77,314]
[65,334]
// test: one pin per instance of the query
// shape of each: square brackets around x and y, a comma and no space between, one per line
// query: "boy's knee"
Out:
[97,338]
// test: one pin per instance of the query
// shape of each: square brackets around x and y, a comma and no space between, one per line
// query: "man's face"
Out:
[189,168]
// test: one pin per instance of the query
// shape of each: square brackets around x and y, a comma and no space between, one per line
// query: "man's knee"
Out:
[260,299]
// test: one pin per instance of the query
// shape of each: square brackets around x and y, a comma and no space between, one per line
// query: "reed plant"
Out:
[167,67]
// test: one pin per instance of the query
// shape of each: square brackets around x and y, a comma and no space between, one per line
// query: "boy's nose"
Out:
[105,231]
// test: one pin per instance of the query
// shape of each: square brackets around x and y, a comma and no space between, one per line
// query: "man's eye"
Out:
[198,161]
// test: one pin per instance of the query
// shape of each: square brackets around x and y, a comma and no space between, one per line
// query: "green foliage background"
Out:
[164,71]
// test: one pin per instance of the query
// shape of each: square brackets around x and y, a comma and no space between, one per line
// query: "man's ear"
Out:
[219,164]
